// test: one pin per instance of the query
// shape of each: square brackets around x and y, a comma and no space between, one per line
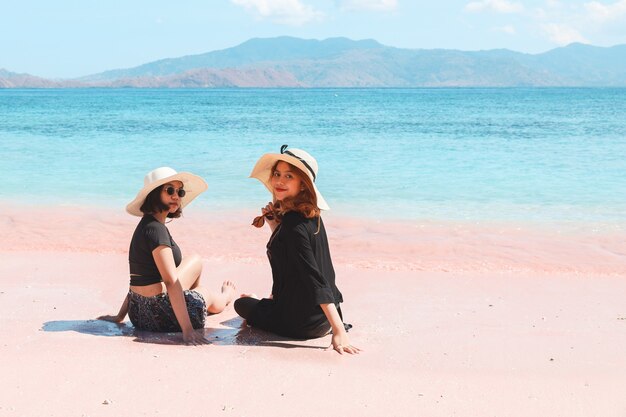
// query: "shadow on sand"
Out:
[234,332]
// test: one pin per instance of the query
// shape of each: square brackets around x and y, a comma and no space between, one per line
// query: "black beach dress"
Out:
[303,278]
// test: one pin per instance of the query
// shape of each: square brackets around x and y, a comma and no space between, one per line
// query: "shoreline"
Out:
[355,242]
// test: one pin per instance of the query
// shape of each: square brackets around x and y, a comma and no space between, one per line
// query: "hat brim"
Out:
[263,169]
[193,184]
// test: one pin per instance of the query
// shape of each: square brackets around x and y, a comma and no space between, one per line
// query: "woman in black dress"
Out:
[304,303]
[165,293]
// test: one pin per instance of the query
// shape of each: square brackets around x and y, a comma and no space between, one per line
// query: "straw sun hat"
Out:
[193,184]
[296,157]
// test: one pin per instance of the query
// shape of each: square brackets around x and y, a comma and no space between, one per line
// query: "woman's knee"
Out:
[244,306]
[238,306]
[189,271]
[195,260]
[193,264]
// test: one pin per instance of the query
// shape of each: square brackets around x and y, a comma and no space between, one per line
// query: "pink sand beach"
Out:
[455,319]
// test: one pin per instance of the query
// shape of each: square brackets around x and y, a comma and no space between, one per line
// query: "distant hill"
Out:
[245,55]
[587,65]
[341,62]
[209,77]
[14,80]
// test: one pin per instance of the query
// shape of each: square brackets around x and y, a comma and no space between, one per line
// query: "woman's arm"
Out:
[302,252]
[121,315]
[164,259]
[269,208]
[340,340]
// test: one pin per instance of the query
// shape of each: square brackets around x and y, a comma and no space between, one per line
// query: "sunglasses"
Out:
[171,190]
[259,221]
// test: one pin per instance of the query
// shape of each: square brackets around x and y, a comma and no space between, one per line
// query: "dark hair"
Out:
[153,204]
[305,202]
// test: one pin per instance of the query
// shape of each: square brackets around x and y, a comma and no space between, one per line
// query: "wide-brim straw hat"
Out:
[296,157]
[193,185]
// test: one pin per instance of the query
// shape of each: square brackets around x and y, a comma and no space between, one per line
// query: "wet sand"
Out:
[454,320]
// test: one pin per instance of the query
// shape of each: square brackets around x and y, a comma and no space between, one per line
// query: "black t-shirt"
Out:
[303,278]
[149,234]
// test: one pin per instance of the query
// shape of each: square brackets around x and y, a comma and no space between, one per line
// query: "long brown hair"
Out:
[305,202]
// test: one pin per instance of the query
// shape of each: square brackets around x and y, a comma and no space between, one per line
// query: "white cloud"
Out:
[601,13]
[288,12]
[539,13]
[562,34]
[508,29]
[559,22]
[552,7]
[553,4]
[377,5]
[499,6]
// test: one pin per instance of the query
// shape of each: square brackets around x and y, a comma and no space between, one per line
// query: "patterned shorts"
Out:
[155,314]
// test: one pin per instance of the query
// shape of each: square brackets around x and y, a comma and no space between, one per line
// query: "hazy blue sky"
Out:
[69,38]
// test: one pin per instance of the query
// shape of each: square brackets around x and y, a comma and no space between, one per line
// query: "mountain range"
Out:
[341,62]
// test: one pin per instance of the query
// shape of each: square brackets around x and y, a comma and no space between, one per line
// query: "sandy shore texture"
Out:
[454,320]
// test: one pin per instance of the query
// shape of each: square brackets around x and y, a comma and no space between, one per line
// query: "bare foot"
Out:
[228,289]
[251,295]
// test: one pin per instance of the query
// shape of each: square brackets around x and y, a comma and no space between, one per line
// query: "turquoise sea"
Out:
[512,154]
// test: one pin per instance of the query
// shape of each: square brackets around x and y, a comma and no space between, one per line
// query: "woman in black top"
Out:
[305,300]
[165,293]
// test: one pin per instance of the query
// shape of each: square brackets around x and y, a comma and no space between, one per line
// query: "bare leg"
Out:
[216,302]
[189,271]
